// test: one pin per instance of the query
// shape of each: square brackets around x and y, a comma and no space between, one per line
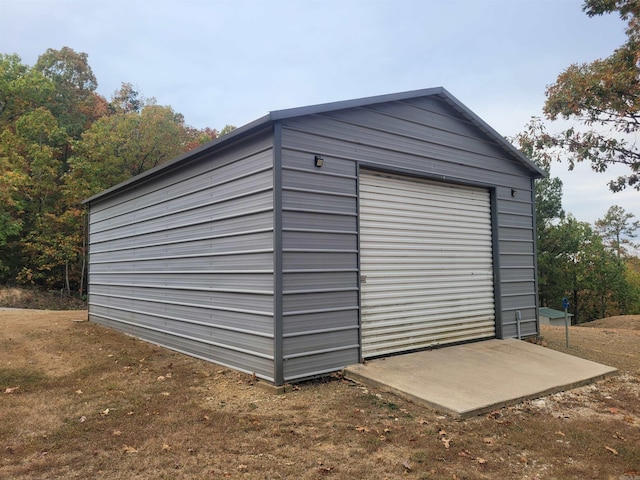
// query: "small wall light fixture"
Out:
[318,161]
[514,192]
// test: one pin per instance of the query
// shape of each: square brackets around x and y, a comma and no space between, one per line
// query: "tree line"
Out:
[61,142]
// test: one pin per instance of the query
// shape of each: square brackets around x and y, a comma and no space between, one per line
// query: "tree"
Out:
[123,145]
[601,281]
[22,92]
[196,137]
[127,99]
[22,89]
[604,96]
[535,143]
[226,129]
[632,275]
[573,262]
[617,229]
[75,103]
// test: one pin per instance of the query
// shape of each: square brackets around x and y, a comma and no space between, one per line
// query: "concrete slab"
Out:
[475,378]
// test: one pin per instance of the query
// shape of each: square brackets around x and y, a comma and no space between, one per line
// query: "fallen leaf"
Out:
[560,433]
[83,419]
[11,390]
[464,453]
[446,442]
[612,450]
[406,465]
[105,412]
[442,432]
[161,378]
[481,461]
[165,447]
[613,410]
[79,392]
[166,394]
[488,440]
[362,429]
[422,421]
[128,449]
[116,433]
[242,468]
[619,437]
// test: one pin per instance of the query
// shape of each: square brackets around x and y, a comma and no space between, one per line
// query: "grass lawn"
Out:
[78,400]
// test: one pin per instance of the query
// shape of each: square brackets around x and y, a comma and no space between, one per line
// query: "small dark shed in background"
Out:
[318,236]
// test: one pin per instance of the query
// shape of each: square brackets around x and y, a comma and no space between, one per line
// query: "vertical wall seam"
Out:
[278,328]
[359,277]
[87,260]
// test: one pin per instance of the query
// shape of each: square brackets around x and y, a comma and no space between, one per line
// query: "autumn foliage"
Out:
[61,142]
[603,97]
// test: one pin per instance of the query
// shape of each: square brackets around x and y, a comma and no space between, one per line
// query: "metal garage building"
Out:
[315,237]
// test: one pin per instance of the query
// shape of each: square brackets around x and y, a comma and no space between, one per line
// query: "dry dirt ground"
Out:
[81,401]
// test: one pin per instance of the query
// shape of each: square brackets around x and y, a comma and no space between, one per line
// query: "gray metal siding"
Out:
[425,137]
[186,259]
[518,262]
[320,266]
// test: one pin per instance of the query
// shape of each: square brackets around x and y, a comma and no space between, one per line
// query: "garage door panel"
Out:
[386,346]
[426,264]
[382,313]
[412,320]
[394,333]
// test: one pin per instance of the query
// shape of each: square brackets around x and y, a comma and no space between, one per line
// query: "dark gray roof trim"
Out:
[276,115]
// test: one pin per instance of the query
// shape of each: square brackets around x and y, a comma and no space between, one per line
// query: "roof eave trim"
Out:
[192,154]
[475,119]
[357,102]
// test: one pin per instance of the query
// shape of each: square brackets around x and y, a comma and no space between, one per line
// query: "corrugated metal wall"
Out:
[320,264]
[186,259]
[425,137]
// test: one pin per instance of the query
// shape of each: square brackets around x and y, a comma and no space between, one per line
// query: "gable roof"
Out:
[277,115]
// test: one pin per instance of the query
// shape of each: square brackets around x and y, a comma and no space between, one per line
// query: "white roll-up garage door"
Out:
[426,264]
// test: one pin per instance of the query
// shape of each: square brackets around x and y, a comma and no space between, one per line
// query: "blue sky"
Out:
[230,62]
